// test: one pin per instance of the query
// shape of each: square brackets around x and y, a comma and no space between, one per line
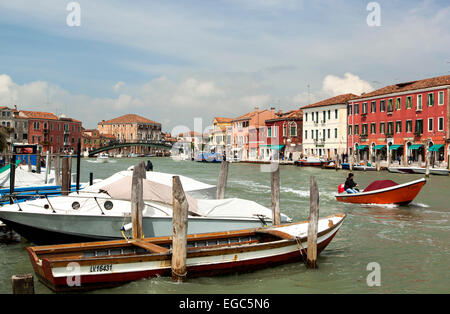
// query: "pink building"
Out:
[248,133]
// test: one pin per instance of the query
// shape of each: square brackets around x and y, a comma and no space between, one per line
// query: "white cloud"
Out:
[118,86]
[350,83]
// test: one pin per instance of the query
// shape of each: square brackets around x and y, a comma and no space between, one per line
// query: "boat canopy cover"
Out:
[436,147]
[152,191]
[379,147]
[395,147]
[415,146]
[380,184]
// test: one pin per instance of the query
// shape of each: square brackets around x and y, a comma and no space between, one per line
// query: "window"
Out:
[317,117]
[373,128]
[382,105]
[398,103]
[323,135]
[430,124]
[409,126]
[430,99]
[317,135]
[335,113]
[329,133]
[324,116]
[356,108]
[419,127]
[364,108]
[349,110]
[390,128]
[293,130]
[306,116]
[284,131]
[269,132]
[335,133]
[440,124]
[398,127]
[419,102]
[364,130]
[274,132]
[306,134]
[382,127]
[373,106]
[350,130]
[329,114]
[390,105]
[36,126]
[408,102]
[356,129]
[441,98]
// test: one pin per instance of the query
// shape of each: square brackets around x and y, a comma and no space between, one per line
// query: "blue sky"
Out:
[171,61]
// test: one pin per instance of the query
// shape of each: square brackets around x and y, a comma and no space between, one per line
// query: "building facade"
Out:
[248,134]
[52,133]
[325,127]
[283,136]
[402,122]
[218,135]
[132,128]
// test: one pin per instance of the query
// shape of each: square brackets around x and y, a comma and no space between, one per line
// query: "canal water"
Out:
[410,244]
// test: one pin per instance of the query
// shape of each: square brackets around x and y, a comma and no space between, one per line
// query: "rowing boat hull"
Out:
[92,273]
[402,194]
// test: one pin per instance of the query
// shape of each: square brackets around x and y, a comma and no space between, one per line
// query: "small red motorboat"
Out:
[383,192]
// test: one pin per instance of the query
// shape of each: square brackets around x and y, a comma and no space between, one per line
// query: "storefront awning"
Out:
[361,147]
[415,146]
[395,147]
[274,147]
[379,147]
[436,147]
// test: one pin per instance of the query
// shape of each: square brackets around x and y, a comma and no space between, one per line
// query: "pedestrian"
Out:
[149,166]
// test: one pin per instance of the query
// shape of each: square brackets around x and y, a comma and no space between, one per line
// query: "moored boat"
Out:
[419,170]
[384,192]
[311,162]
[85,266]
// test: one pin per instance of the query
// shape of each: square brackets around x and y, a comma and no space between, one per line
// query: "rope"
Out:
[299,244]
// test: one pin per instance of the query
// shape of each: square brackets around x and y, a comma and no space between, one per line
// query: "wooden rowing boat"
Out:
[384,192]
[85,266]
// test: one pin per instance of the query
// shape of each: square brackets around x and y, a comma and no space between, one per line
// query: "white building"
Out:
[325,127]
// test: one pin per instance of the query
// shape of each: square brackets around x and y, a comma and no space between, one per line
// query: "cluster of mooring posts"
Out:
[24,283]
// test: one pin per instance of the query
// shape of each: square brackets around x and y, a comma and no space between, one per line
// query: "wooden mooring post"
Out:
[78,164]
[313,222]
[275,189]
[47,166]
[427,163]
[38,163]
[22,284]
[57,161]
[179,231]
[222,182]
[137,200]
[12,177]
[65,176]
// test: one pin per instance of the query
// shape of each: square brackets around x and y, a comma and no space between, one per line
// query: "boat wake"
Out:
[419,205]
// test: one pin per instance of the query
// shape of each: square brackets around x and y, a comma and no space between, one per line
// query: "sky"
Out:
[173,61]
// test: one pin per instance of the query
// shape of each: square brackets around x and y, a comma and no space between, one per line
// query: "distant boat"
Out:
[311,162]
[208,157]
[103,158]
[419,170]
[106,264]
[384,192]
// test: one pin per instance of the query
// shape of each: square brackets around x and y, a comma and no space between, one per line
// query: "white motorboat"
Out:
[102,211]
[419,170]
[103,157]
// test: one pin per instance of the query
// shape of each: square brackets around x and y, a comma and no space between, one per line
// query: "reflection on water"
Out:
[407,241]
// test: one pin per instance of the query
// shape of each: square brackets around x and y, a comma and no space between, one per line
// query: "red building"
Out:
[59,134]
[284,134]
[402,121]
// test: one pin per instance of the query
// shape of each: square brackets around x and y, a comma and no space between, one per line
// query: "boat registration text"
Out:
[100,268]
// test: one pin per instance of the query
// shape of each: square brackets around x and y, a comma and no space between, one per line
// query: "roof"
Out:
[190,134]
[38,115]
[290,115]
[409,86]
[129,118]
[223,120]
[341,99]
[249,115]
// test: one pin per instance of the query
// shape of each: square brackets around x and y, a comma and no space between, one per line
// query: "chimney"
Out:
[256,109]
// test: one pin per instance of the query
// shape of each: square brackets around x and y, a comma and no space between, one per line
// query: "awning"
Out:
[379,147]
[395,147]
[274,147]
[361,147]
[415,146]
[436,147]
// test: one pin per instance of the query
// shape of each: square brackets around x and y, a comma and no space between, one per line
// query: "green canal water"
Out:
[409,243]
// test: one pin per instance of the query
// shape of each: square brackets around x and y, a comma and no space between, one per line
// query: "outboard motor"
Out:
[341,188]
